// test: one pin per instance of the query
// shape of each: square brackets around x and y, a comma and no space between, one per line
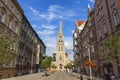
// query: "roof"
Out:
[78,23]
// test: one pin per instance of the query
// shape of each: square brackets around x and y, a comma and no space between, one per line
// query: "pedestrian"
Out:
[107,76]
[112,77]
[68,70]
[81,77]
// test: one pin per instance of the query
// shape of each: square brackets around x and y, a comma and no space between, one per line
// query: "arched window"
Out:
[59,48]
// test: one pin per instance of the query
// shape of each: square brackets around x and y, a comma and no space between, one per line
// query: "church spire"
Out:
[60,29]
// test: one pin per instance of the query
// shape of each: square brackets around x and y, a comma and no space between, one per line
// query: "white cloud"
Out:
[45,32]
[92,1]
[73,31]
[48,26]
[54,12]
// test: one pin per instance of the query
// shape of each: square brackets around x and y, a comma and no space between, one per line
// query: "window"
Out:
[9,23]
[5,1]
[98,2]
[90,24]
[91,34]
[92,48]
[60,38]
[17,15]
[112,2]
[12,8]
[60,57]
[15,27]
[59,48]
[101,13]
[1,16]
[116,18]
[105,28]
[99,32]
[14,46]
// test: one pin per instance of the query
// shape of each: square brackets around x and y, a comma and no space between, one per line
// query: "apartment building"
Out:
[30,49]
[27,45]
[94,55]
[102,24]
[76,44]
[10,21]
[107,22]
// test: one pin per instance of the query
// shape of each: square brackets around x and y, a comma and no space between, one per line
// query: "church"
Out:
[61,57]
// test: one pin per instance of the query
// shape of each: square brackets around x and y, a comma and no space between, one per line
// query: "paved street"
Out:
[59,75]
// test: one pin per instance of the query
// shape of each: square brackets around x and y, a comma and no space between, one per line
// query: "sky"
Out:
[45,16]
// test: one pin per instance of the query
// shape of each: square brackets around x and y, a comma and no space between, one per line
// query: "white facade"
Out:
[61,57]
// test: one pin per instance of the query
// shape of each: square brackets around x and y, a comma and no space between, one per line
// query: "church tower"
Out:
[61,56]
[60,48]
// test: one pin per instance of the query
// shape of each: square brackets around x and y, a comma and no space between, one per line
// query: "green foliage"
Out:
[53,66]
[69,65]
[6,54]
[46,62]
[111,49]
[77,61]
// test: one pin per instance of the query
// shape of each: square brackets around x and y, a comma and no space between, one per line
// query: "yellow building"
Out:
[61,59]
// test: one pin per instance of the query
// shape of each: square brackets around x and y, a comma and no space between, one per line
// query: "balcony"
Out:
[75,35]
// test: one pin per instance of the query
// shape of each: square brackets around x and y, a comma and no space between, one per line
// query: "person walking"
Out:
[107,76]
[81,77]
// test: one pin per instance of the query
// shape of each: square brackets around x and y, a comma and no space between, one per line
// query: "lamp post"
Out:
[90,61]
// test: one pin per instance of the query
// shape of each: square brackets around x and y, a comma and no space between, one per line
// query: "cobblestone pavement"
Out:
[59,75]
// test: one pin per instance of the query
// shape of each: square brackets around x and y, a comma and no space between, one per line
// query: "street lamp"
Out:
[90,62]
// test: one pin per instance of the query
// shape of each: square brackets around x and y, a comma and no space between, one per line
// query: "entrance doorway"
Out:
[60,66]
[108,68]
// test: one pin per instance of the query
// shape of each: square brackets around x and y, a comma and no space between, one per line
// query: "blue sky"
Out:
[45,15]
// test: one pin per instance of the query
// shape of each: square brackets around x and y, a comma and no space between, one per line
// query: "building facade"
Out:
[10,21]
[103,23]
[76,41]
[30,49]
[61,58]
[107,22]
[26,44]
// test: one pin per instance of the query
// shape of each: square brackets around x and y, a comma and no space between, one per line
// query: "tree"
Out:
[111,49]
[6,54]
[53,66]
[46,62]
[69,65]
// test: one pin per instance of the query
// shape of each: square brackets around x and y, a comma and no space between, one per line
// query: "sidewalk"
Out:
[85,77]
[34,76]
